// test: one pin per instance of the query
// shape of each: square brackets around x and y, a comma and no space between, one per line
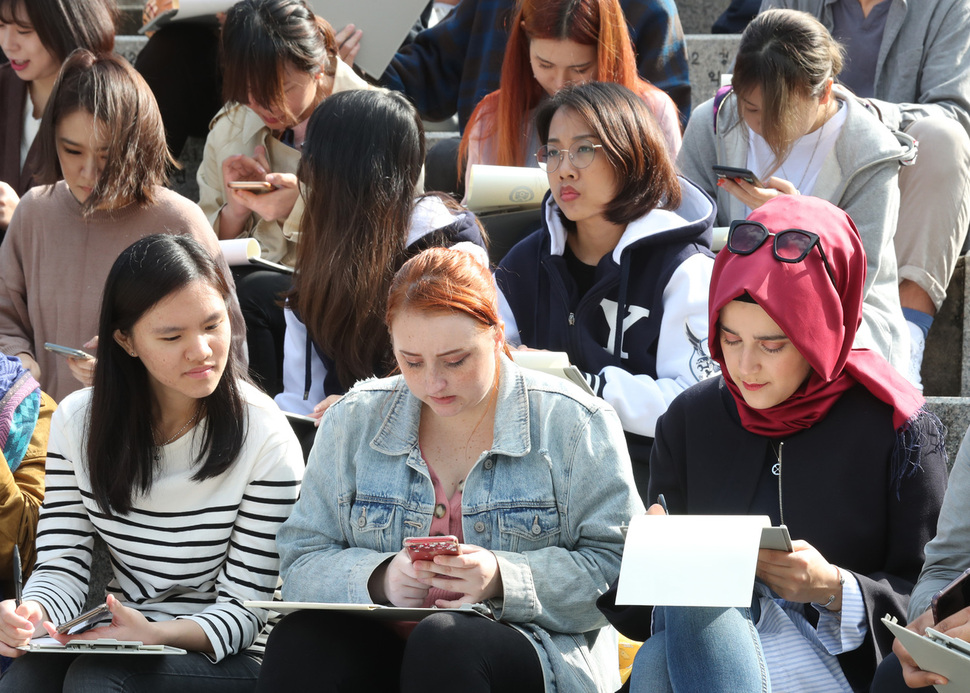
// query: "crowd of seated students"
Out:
[801,340]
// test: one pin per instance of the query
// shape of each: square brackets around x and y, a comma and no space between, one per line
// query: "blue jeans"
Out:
[701,649]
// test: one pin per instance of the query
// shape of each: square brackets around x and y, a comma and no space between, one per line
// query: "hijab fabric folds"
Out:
[820,319]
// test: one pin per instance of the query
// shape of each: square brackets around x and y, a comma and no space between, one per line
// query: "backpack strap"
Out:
[719,97]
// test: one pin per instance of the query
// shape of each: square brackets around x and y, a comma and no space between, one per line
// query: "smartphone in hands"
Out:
[86,618]
[426,548]
[732,172]
[951,598]
[254,186]
[67,351]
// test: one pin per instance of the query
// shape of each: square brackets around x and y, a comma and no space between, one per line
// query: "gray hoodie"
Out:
[858,175]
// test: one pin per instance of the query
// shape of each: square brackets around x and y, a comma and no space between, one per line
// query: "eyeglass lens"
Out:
[580,155]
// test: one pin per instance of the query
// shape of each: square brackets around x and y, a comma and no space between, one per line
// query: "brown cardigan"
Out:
[21,494]
[13,96]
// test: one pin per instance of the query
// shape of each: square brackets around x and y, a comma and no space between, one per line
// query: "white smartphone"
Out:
[776,538]
[67,351]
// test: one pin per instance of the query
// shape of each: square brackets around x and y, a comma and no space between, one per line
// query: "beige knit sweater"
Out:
[54,262]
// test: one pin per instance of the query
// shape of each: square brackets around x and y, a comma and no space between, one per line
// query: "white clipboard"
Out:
[375,611]
[936,652]
[99,646]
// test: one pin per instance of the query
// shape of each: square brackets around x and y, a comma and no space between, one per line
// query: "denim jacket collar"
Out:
[398,433]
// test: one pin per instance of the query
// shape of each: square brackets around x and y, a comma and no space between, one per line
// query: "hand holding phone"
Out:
[84,618]
[951,598]
[732,172]
[426,548]
[67,351]
[254,186]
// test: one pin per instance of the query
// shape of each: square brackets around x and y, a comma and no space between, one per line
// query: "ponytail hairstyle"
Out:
[789,56]
[261,38]
[120,441]
[360,167]
[505,113]
[447,280]
[64,25]
[126,115]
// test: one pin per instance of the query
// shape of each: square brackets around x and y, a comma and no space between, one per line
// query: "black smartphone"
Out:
[951,598]
[731,172]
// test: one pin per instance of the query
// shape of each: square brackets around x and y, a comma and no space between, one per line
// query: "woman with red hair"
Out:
[553,43]
[530,475]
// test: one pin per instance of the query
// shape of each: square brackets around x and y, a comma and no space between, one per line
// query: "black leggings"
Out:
[334,651]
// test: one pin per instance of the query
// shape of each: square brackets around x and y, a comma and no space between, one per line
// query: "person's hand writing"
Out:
[83,369]
[348,43]
[753,196]
[474,574]
[800,576]
[400,583]
[17,624]
[912,674]
[28,362]
[8,204]
[126,624]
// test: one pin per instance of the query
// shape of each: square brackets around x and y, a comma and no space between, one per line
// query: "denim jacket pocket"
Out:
[373,525]
[528,528]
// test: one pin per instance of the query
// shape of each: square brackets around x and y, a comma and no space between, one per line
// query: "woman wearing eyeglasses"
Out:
[787,121]
[617,277]
[827,439]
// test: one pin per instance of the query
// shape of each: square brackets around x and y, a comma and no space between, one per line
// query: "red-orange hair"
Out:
[445,280]
[599,23]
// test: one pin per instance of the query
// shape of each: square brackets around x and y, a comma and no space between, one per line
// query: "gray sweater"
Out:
[858,175]
[948,553]
[923,66]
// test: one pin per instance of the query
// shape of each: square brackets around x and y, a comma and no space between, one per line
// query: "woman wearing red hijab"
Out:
[824,438]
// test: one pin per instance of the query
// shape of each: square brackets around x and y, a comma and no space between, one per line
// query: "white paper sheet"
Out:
[690,560]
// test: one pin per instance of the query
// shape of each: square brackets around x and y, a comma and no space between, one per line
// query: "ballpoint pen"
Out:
[18,578]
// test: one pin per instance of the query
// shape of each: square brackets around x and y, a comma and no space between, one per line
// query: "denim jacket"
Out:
[548,499]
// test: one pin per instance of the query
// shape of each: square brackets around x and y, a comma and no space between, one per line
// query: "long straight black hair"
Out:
[120,443]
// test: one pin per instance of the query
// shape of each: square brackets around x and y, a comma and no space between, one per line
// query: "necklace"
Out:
[776,470]
[177,433]
[808,166]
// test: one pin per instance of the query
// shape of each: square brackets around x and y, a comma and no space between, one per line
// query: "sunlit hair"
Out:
[120,431]
[360,167]
[126,117]
[446,280]
[64,25]
[789,56]
[261,38]
[632,142]
[597,23]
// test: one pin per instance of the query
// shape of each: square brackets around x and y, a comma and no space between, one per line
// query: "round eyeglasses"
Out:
[790,245]
[550,156]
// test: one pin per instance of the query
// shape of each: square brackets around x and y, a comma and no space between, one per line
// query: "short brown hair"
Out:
[64,25]
[108,88]
[261,37]
[632,141]
[788,55]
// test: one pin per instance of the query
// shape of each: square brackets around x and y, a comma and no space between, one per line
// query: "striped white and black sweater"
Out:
[188,549]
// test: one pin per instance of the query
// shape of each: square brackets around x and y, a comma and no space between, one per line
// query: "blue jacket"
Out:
[548,499]
[454,64]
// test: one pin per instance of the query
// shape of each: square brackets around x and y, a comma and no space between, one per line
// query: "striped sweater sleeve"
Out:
[251,570]
[65,535]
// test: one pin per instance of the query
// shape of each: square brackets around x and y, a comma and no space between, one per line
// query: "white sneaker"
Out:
[917,342]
